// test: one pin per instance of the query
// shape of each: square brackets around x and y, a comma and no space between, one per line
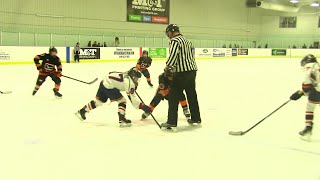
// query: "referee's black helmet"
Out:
[172,28]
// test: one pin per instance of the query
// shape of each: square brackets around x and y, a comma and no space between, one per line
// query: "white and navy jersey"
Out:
[123,82]
[312,76]
[181,54]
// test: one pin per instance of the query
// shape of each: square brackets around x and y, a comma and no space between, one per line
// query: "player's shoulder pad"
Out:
[58,59]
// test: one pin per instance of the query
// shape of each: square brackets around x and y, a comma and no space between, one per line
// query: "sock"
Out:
[184,104]
[309,118]
[57,87]
[90,106]
[122,108]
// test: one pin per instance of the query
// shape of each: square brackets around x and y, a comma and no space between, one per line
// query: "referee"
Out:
[182,58]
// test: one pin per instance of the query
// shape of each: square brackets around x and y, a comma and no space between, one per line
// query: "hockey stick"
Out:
[150,113]
[5,92]
[96,79]
[240,133]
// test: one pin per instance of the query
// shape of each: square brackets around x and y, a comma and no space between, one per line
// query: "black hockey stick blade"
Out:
[240,133]
[236,133]
[5,92]
[95,80]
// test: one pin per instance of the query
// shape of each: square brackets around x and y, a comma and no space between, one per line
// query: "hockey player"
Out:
[143,64]
[163,92]
[310,88]
[110,88]
[50,66]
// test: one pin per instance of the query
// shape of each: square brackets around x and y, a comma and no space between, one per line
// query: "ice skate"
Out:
[306,133]
[145,115]
[150,84]
[57,94]
[186,112]
[34,91]
[123,122]
[81,114]
[169,127]
[194,123]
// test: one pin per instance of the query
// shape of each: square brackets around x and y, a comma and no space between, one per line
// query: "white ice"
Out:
[41,139]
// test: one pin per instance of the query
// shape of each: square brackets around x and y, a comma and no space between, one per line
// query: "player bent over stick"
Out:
[110,88]
[310,88]
[143,64]
[48,68]
[163,92]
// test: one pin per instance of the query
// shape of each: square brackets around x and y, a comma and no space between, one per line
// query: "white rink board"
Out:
[26,54]
[22,55]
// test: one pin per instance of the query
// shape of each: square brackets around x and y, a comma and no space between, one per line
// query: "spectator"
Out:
[99,45]
[294,47]
[238,46]
[224,46]
[311,47]
[77,52]
[95,44]
[234,46]
[116,42]
[259,46]
[266,46]
[304,46]
[89,44]
[104,44]
[230,45]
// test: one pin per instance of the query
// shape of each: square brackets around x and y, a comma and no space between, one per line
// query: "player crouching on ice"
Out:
[143,64]
[310,88]
[48,68]
[110,88]
[163,92]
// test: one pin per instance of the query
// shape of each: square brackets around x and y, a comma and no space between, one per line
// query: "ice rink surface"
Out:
[41,139]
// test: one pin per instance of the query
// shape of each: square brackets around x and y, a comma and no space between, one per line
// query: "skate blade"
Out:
[306,138]
[125,125]
[172,129]
[57,97]
[195,124]
[79,116]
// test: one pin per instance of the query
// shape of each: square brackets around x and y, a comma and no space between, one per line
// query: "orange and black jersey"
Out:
[143,63]
[48,64]
[164,85]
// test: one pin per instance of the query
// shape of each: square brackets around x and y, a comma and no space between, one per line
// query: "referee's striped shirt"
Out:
[182,54]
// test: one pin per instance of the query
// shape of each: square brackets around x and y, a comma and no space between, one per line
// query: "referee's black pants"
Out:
[183,81]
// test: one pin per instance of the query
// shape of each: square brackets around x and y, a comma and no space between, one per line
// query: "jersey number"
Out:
[119,79]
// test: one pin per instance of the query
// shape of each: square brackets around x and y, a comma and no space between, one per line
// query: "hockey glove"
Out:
[297,95]
[145,108]
[59,74]
[39,67]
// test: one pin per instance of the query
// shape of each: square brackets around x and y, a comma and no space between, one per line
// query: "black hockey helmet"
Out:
[135,74]
[145,52]
[172,28]
[169,71]
[53,49]
[308,59]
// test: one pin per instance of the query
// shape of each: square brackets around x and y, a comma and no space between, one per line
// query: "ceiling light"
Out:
[294,1]
[315,4]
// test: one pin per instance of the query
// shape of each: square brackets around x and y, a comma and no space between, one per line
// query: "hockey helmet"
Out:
[169,71]
[308,59]
[135,74]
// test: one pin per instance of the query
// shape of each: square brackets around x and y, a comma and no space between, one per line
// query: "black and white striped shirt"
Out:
[182,54]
